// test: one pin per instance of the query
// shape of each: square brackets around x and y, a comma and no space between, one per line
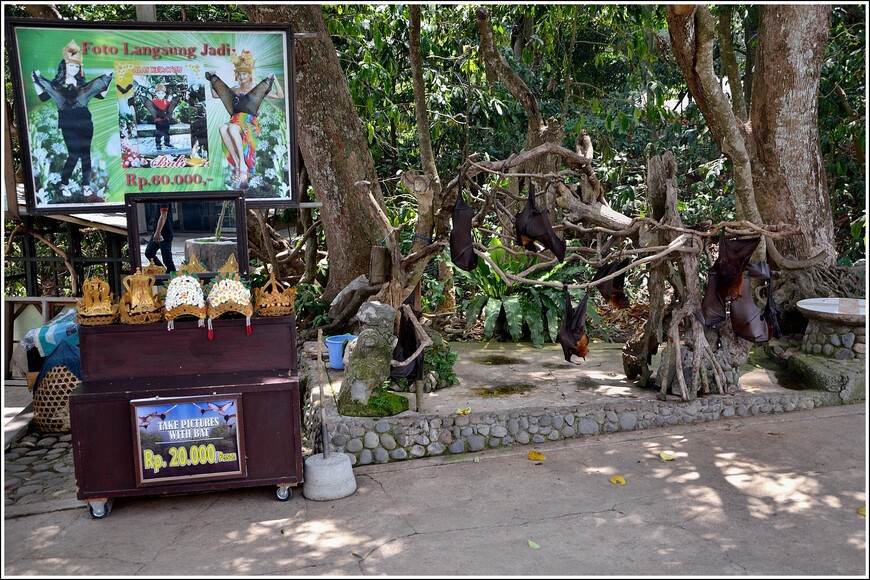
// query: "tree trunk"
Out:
[787,166]
[332,142]
[778,171]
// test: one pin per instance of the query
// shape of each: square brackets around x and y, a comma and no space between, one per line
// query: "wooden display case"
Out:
[128,365]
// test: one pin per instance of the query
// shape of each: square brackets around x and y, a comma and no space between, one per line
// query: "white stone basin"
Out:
[842,310]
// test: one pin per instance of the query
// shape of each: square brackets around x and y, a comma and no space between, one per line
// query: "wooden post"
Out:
[324,432]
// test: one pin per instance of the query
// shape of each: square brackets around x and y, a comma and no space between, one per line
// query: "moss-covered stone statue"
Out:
[362,391]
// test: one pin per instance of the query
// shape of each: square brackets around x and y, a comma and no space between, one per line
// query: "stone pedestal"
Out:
[211,253]
[835,328]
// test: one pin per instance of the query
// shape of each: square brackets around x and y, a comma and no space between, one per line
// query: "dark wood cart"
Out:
[128,365]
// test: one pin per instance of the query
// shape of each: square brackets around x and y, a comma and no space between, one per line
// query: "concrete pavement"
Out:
[771,495]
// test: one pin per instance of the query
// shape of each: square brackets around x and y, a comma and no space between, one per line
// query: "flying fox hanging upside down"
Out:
[533,225]
[461,241]
[729,280]
[572,335]
[725,279]
[613,290]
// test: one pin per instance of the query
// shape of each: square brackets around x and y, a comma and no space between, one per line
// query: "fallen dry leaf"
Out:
[536,456]
[666,456]
[534,545]
[617,480]
[862,511]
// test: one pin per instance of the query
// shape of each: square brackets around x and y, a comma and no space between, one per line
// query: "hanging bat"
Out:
[613,290]
[406,345]
[747,320]
[725,278]
[461,242]
[731,264]
[533,225]
[67,95]
[572,335]
[244,102]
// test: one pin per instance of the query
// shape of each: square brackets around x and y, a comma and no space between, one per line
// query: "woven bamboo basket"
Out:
[51,400]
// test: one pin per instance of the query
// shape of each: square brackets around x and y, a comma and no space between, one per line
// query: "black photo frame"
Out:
[147,82]
[209,204]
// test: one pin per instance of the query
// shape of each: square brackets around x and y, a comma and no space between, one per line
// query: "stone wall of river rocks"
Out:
[839,341]
[412,435]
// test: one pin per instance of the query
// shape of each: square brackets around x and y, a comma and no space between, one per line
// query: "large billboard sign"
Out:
[107,108]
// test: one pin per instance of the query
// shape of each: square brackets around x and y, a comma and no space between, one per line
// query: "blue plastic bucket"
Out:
[335,346]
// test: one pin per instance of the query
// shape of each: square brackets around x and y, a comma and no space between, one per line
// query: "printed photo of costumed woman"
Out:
[240,135]
[71,93]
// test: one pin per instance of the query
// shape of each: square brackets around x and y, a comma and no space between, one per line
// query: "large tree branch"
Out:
[499,68]
[693,35]
[427,189]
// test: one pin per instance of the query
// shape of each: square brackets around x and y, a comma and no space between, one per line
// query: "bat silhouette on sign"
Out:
[572,334]
[533,225]
[146,420]
[725,278]
[65,96]
[613,290]
[461,242]
[244,102]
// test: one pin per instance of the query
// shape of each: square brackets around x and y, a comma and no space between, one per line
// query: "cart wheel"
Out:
[283,493]
[99,509]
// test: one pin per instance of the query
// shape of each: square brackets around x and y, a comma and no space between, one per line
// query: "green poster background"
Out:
[123,151]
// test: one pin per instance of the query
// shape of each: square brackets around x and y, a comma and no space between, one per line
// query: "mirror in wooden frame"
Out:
[207,227]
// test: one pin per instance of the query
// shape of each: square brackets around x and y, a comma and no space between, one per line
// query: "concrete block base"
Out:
[328,478]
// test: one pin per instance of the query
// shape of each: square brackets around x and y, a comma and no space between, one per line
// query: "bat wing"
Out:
[94,88]
[712,306]
[406,345]
[613,290]
[746,318]
[770,313]
[461,241]
[172,104]
[256,95]
[572,335]
[50,89]
[225,93]
[731,264]
[152,109]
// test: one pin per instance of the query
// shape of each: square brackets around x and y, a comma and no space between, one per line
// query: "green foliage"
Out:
[526,309]
[311,310]
[383,403]
[842,129]
[441,361]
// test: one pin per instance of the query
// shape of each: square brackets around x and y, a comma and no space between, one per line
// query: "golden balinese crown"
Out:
[152,269]
[243,62]
[228,292]
[72,53]
[272,301]
[96,306]
[139,305]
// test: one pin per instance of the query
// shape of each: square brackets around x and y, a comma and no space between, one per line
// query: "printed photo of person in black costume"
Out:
[71,93]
